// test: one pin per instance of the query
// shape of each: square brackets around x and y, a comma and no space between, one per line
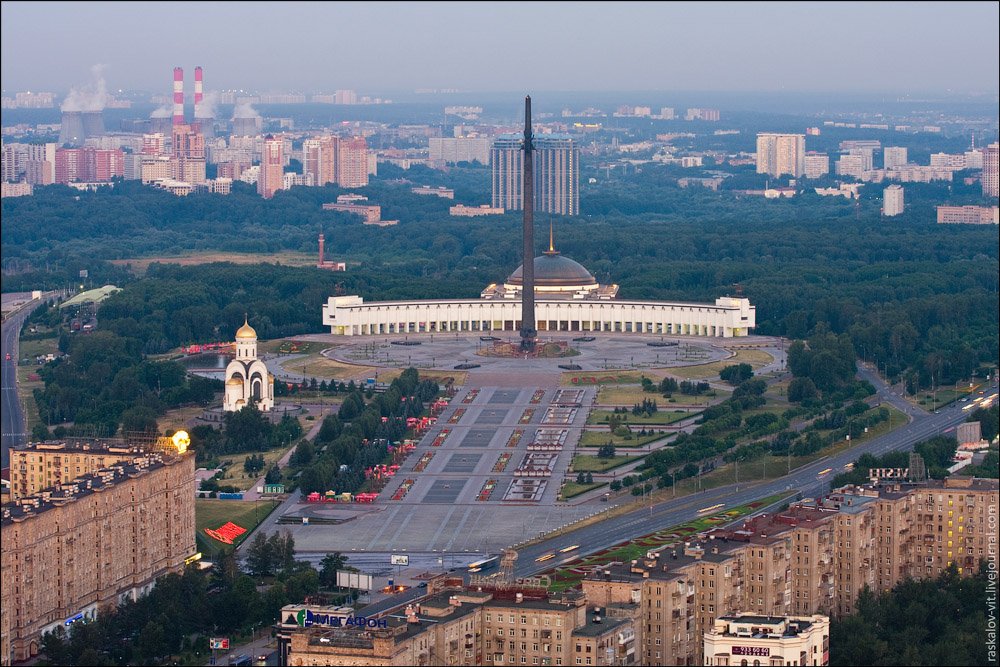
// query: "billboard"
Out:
[219,643]
[400,559]
[357,580]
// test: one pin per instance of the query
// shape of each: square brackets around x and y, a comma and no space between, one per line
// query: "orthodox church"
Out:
[247,378]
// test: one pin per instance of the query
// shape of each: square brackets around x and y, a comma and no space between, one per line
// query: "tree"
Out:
[736,373]
[260,555]
[329,566]
[590,478]
[40,432]
[273,475]
[580,478]
[606,451]
[801,389]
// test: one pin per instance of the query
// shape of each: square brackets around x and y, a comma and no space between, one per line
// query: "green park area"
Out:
[213,514]
[600,438]
[571,489]
[570,575]
[587,463]
[660,417]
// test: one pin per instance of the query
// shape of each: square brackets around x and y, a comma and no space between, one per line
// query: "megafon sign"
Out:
[306,618]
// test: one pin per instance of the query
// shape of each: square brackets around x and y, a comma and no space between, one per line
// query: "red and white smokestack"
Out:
[178,96]
[197,90]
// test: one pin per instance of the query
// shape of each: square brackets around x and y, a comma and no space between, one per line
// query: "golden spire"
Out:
[552,247]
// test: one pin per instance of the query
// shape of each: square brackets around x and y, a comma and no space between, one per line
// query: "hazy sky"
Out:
[501,46]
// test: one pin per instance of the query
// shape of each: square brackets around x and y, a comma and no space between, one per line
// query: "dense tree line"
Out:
[105,382]
[245,430]
[941,621]
[359,436]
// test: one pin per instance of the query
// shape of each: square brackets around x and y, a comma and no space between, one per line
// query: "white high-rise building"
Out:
[892,201]
[816,165]
[851,165]
[780,154]
[894,156]
[990,170]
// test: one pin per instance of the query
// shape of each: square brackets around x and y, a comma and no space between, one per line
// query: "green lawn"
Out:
[587,463]
[572,489]
[598,438]
[212,513]
[661,417]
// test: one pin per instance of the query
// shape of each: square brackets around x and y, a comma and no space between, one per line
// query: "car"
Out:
[8,356]
[422,584]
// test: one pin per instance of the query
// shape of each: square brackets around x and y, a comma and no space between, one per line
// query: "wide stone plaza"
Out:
[488,473]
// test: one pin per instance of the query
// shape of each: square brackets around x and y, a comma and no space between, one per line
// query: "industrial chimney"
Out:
[178,96]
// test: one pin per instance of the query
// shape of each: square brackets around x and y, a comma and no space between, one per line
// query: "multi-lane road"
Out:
[12,414]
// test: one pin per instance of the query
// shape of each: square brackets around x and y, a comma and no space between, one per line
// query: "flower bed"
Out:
[439,440]
[515,437]
[471,396]
[422,463]
[526,417]
[403,489]
[502,462]
[536,398]
[457,416]
[487,490]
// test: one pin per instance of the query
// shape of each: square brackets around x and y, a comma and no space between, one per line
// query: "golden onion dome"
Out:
[246,331]
[234,382]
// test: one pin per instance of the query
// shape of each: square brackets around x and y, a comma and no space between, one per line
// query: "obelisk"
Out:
[528,331]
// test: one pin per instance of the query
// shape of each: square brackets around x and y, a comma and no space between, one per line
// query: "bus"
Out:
[566,550]
[824,472]
[545,557]
[705,510]
[484,565]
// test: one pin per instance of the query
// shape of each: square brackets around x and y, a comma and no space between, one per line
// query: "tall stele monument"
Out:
[528,331]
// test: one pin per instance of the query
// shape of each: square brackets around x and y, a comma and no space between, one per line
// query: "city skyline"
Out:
[745,47]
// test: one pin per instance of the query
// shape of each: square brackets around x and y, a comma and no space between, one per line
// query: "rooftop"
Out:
[82,486]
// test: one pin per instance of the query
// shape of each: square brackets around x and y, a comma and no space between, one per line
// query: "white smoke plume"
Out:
[245,110]
[207,107]
[91,97]
[162,112]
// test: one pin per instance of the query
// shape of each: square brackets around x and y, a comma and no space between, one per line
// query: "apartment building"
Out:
[91,542]
[42,465]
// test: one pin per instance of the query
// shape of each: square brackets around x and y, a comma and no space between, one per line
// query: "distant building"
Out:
[319,160]
[88,164]
[967,215]
[948,160]
[991,170]
[450,150]
[892,201]
[851,165]
[702,114]
[352,166]
[557,174]
[474,211]
[894,156]
[443,192]
[371,213]
[271,177]
[15,190]
[816,165]
[768,640]
[781,154]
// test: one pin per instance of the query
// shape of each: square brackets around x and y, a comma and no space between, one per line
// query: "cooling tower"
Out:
[93,124]
[72,131]
[163,125]
[246,127]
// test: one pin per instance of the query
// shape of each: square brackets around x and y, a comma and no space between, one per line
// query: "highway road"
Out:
[12,413]
[806,481]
